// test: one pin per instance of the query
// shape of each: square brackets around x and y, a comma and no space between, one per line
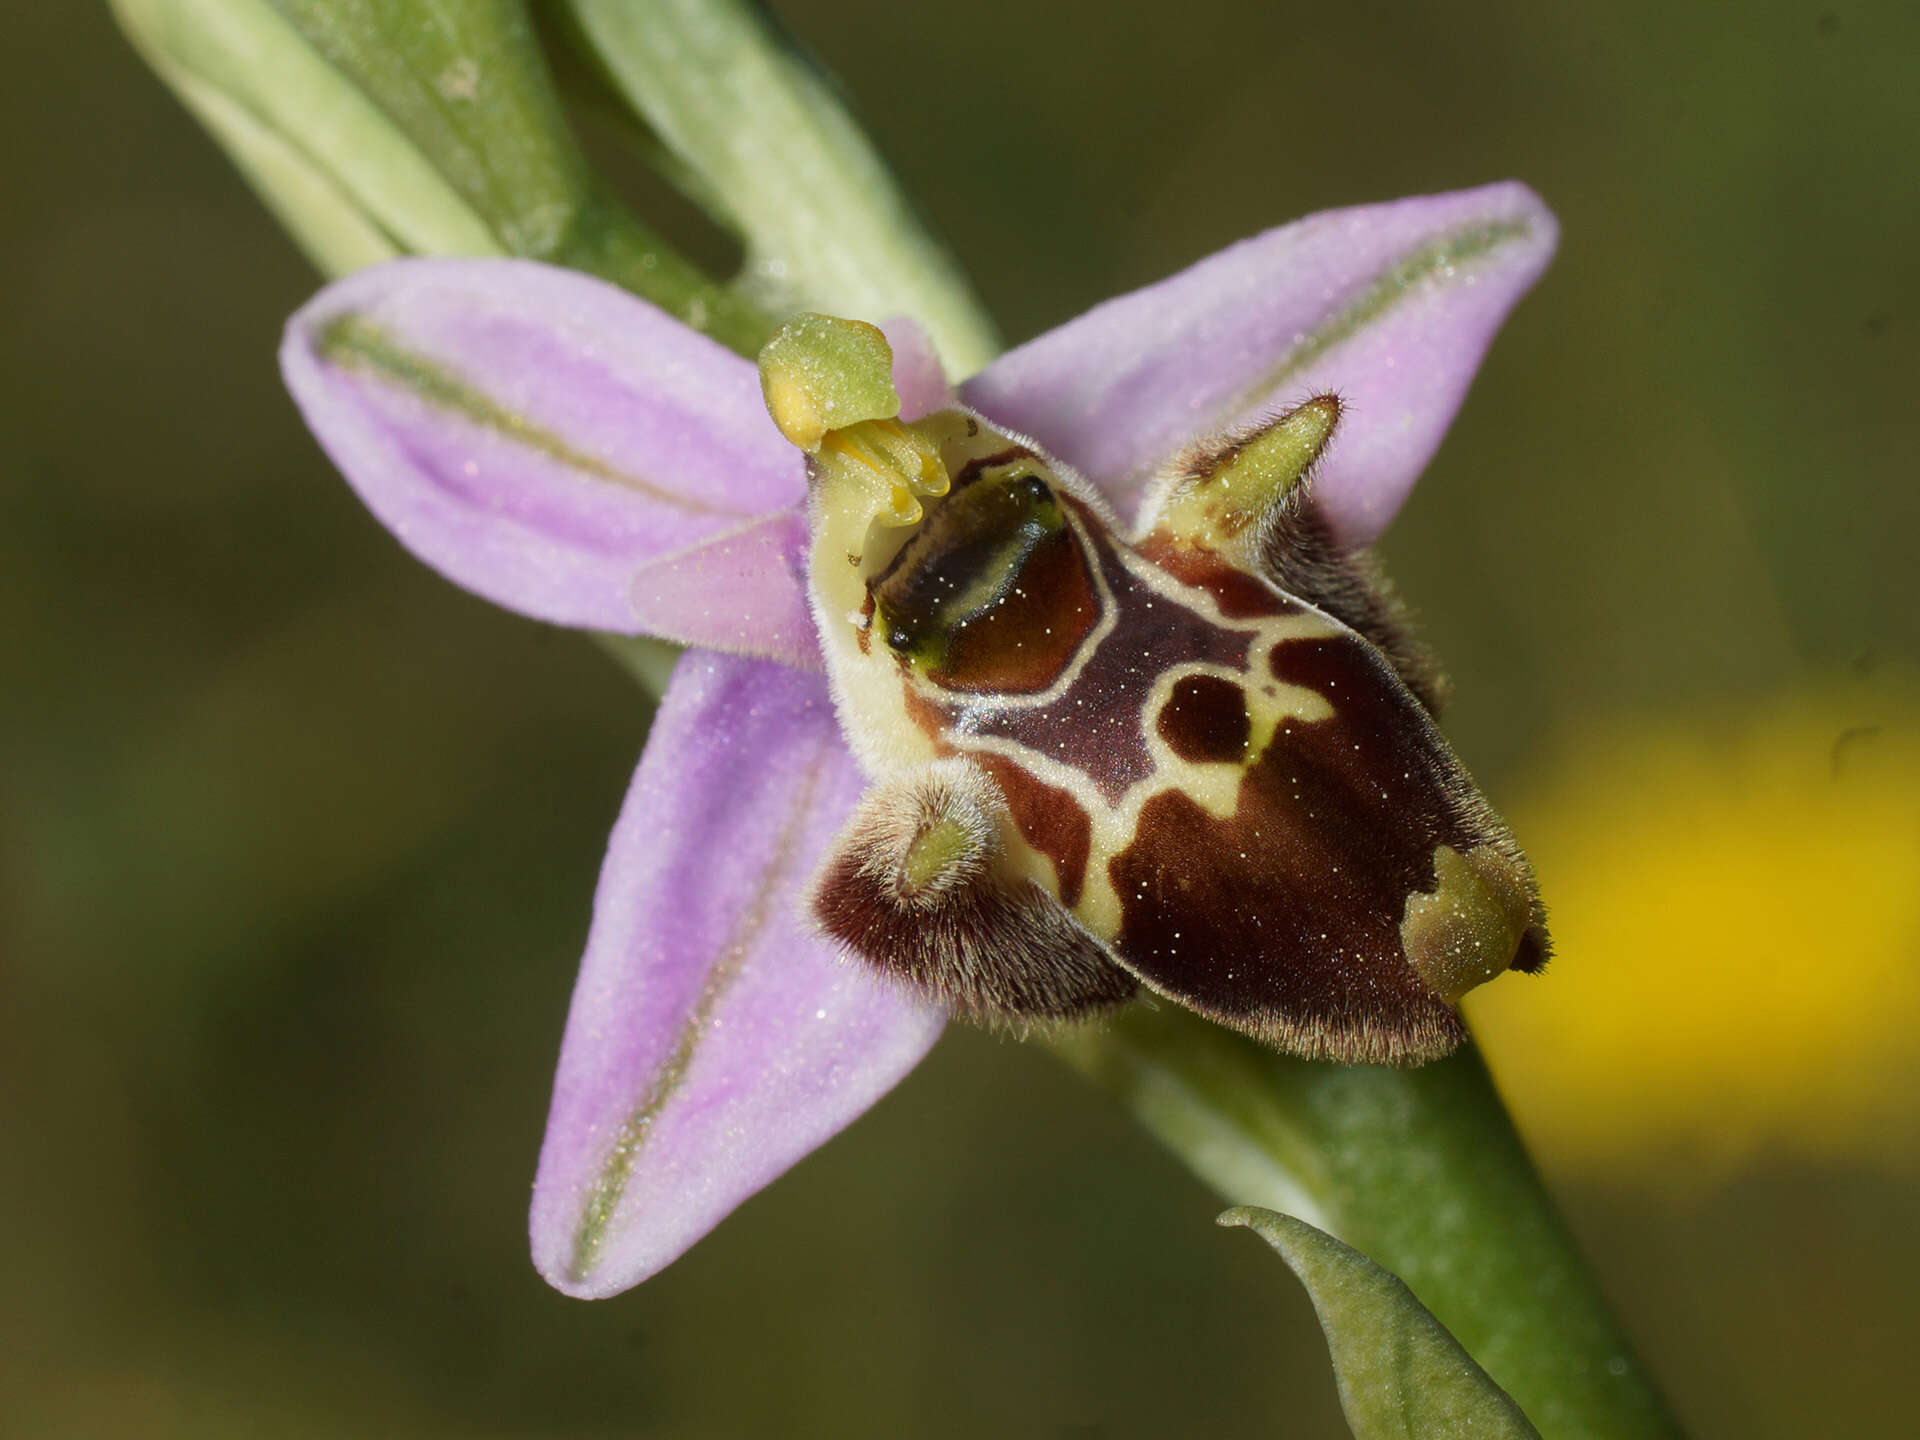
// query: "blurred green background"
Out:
[297,842]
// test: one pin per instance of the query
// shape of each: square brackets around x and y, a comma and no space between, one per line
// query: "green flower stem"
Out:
[1419,1169]
[468,86]
[745,114]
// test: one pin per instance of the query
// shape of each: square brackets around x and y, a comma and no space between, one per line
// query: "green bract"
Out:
[1401,1374]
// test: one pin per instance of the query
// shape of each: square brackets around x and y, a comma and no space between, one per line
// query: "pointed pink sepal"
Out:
[534,434]
[1389,306]
[714,1037]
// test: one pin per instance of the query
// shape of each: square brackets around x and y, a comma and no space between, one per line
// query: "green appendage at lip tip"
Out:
[353,342]
[611,1184]
[1373,302]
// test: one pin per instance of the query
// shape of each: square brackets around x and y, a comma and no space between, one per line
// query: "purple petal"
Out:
[714,1037]
[743,592]
[917,374]
[533,434]
[1391,306]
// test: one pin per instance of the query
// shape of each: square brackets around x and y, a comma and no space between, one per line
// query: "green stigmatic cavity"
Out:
[989,590]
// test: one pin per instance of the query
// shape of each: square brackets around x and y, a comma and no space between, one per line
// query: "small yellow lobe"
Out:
[796,410]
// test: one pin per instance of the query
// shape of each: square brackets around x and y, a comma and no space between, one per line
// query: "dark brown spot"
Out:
[1239,595]
[1051,820]
[1205,720]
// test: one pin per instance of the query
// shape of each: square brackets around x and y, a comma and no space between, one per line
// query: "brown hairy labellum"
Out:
[1200,759]
[916,886]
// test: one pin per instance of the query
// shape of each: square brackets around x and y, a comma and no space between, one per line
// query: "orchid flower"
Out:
[573,453]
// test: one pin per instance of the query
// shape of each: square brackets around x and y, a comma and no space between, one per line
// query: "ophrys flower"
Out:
[570,452]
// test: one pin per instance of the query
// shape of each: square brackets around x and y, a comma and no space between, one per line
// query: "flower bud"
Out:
[337,170]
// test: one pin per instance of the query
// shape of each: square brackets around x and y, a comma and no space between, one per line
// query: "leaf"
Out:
[375,128]
[1400,1373]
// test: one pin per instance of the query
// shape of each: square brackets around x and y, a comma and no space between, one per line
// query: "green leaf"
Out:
[769,142]
[335,234]
[1400,1373]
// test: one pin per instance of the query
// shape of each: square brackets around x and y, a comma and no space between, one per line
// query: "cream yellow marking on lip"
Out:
[1214,785]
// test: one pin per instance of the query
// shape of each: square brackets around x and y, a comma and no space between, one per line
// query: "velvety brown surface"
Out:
[1288,914]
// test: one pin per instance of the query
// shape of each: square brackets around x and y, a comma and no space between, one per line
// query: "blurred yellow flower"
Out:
[1735,903]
